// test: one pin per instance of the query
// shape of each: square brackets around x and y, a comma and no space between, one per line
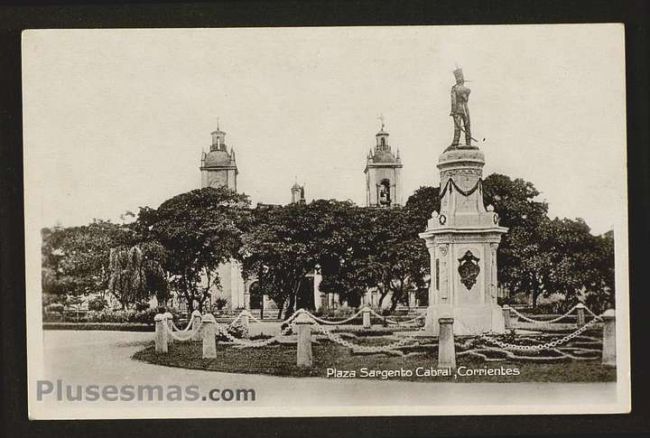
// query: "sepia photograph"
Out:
[326,221]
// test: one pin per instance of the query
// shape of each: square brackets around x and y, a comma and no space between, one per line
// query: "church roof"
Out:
[218,158]
[383,156]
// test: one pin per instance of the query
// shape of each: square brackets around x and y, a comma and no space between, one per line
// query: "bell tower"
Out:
[297,193]
[383,169]
[218,167]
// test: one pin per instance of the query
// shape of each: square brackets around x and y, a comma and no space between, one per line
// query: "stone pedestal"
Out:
[209,334]
[462,240]
[446,346]
[580,314]
[609,338]
[365,313]
[196,325]
[161,333]
[304,355]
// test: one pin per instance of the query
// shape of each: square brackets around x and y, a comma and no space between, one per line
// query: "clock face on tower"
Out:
[215,184]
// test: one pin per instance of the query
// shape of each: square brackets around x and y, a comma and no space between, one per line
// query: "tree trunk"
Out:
[281,308]
[397,295]
[290,307]
[190,302]
[394,301]
[382,295]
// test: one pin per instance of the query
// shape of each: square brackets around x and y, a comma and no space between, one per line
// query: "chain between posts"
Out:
[334,337]
[324,321]
[188,327]
[176,336]
[366,348]
[392,321]
[546,346]
[535,321]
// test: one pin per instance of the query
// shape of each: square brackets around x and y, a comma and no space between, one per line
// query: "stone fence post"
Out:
[446,347]
[304,355]
[365,312]
[506,317]
[196,325]
[161,333]
[245,324]
[208,331]
[580,312]
[169,317]
[609,338]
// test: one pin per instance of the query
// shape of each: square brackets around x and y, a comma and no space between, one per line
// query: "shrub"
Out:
[73,301]
[550,308]
[97,304]
[238,330]
[141,306]
[122,316]
[55,308]
[52,299]
[147,316]
[338,313]
[220,303]
[108,315]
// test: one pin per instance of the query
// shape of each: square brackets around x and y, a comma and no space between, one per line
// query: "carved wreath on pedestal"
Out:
[468,269]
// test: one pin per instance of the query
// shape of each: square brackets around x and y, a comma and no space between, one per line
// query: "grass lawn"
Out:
[280,360]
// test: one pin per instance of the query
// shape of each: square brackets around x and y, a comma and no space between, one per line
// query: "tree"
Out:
[577,264]
[421,204]
[126,281]
[600,291]
[348,239]
[401,262]
[137,274]
[280,249]
[199,230]
[521,265]
[373,248]
[75,260]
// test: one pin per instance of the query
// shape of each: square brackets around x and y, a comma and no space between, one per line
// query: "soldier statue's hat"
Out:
[458,74]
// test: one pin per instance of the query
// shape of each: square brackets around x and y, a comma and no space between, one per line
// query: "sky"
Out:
[116,119]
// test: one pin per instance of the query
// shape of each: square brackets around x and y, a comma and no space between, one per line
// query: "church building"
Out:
[219,169]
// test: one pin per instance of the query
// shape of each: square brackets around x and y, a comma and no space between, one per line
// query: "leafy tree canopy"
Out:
[199,230]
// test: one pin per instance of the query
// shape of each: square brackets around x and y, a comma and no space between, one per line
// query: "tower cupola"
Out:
[383,169]
[218,167]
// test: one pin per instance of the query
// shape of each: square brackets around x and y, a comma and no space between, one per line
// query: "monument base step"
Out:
[468,320]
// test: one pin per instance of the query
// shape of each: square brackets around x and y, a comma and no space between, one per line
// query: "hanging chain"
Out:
[546,346]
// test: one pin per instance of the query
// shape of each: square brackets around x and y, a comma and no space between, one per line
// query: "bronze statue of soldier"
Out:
[460,110]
